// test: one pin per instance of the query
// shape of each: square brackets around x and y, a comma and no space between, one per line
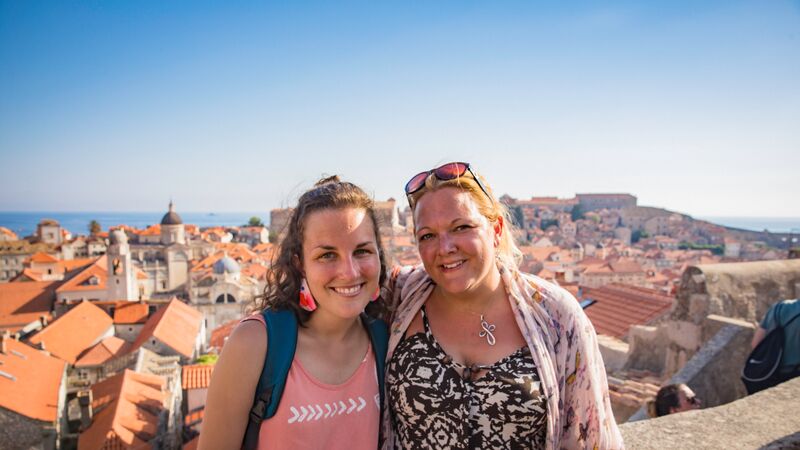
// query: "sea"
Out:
[772,224]
[24,223]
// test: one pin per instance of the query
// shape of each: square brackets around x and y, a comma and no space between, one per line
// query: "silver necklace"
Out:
[487,331]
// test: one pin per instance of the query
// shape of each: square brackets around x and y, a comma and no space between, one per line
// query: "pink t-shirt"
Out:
[316,415]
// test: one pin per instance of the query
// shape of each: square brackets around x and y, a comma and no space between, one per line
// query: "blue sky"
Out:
[239,106]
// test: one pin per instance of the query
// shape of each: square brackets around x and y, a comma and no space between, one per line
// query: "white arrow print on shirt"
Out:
[308,413]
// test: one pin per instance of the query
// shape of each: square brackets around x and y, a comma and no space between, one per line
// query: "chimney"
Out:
[85,402]
[41,347]
[4,338]
[43,320]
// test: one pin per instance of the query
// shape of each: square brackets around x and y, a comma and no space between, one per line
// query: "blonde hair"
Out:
[488,205]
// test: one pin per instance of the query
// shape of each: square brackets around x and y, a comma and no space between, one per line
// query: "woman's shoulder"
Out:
[550,296]
[248,339]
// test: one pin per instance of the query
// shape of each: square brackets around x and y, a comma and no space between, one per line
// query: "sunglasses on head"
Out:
[445,172]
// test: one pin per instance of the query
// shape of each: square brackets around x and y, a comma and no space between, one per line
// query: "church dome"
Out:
[171,217]
[226,264]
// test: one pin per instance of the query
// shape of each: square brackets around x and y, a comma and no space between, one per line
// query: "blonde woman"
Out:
[480,354]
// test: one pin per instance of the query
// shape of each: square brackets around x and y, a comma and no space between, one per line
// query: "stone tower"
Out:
[121,272]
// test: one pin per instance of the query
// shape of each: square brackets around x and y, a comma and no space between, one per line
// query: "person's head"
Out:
[332,242]
[459,224]
[674,398]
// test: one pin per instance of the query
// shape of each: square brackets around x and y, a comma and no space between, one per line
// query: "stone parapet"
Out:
[767,420]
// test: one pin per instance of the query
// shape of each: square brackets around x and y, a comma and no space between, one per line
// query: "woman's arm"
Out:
[233,387]
[758,336]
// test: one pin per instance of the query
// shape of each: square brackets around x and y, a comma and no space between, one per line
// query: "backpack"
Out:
[761,371]
[282,342]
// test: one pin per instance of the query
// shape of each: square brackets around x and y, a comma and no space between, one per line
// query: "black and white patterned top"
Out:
[436,403]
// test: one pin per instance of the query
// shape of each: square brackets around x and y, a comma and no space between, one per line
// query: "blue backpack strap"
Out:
[281,342]
[379,335]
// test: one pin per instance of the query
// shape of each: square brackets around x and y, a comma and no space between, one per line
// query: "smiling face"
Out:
[456,242]
[340,261]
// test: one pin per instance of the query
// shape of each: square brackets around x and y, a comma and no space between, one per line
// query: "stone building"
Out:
[49,231]
[223,293]
[705,341]
[279,221]
[591,202]
[164,255]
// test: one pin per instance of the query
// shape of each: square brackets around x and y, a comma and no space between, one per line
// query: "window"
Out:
[585,303]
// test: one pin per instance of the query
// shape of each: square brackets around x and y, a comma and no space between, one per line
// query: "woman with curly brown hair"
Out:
[328,271]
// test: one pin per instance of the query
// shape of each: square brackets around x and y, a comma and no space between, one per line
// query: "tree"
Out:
[94,228]
[255,221]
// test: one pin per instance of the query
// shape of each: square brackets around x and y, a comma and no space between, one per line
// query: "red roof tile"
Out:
[127,405]
[617,307]
[197,376]
[105,350]
[131,312]
[83,281]
[220,334]
[37,380]
[71,334]
[22,303]
[175,325]
[41,257]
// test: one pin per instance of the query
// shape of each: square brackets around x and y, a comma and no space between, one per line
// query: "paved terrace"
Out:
[767,420]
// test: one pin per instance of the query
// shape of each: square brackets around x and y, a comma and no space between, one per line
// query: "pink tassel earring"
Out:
[376,296]
[306,300]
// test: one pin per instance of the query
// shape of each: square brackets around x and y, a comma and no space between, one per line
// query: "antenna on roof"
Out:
[8,375]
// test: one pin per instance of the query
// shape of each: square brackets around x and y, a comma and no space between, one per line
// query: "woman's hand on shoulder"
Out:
[233,386]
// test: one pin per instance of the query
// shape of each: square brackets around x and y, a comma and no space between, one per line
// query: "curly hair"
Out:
[284,277]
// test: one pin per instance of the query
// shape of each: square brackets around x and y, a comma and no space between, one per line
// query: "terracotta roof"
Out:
[623,266]
[131,312]
[27,275]
[9,233]
[221,333]
[257,271]
[37,380]
[140,274]
[105,350]
[41,257]
[72,264]
[617,307]
[197,376]
[539,253]
[127,407]
[176,325]
[75,331]
[22,303]
[152,230]
[83,280]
